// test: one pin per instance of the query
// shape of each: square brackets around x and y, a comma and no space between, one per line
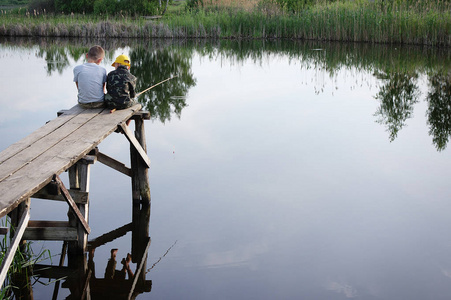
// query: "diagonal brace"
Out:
[9,256]
[132,139]
[72,204]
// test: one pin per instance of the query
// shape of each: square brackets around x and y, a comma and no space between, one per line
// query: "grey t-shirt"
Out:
[90,78]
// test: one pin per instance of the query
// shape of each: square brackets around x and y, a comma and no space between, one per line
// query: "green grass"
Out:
[345,21]
[19,271]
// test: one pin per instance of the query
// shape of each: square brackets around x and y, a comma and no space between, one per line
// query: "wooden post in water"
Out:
[79,178]
[140,191]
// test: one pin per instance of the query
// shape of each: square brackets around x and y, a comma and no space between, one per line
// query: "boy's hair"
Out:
[96,52]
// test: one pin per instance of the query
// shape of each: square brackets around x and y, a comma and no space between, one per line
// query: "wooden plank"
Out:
[142,114]
[139,270]
[132,139]
[8,258]
[37,223]
[30,153]
[84,173]
[32,177]
[86,285]
[78,196]
[114,164]
[51,234]
[72,205]
[39,134]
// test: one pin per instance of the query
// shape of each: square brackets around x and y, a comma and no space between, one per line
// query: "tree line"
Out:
[109,7]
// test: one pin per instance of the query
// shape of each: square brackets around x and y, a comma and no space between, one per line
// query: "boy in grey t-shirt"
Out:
[90,79]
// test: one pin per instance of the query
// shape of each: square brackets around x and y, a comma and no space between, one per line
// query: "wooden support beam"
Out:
[72,204]
[36,223]
[114,164]
[86,285]
[51,234]
[140,269]
[142,114]
[79,197]
[8,258]
[140,194]
[133,141]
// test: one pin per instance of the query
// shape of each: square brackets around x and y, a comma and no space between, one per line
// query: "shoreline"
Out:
[337,27]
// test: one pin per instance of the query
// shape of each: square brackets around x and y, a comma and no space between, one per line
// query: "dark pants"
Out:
[111,104]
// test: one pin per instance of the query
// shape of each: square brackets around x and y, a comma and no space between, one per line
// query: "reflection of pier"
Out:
[31,167]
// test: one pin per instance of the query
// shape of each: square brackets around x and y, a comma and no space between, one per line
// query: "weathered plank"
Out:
[72,205]
[78,196]
[114,164]
[14,244]
[32,177]
[40,146]
[40,133]
[50,234]
[132,139]
[45,223]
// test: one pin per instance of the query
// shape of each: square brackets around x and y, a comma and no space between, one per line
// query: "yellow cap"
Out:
[123,60]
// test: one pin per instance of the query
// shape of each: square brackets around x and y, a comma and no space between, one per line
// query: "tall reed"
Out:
[353,21]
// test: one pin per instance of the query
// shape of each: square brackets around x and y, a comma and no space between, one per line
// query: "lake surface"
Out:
[280,170]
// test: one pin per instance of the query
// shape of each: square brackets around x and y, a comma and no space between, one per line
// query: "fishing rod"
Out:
[149,88]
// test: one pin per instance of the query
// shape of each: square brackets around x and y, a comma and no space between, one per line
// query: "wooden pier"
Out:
[31,168]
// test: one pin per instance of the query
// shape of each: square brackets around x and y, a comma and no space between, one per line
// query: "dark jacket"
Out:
[120,85]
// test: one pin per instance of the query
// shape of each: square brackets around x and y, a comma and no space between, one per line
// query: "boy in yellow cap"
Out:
[120,85]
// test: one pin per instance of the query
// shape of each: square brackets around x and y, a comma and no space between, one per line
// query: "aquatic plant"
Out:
[18,280]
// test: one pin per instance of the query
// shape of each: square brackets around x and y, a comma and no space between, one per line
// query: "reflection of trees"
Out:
[151,66]
[398,96]
[160,59]
[439,110]
[56,59]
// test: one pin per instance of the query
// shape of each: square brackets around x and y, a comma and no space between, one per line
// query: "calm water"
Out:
[279,170]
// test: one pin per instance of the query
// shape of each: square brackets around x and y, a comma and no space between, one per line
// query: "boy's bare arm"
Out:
[76,83]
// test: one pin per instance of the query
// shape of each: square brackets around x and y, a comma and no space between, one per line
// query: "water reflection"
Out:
[439,110]
[84,281]
[397,70]
[397,95]
[151,65]
[345,210]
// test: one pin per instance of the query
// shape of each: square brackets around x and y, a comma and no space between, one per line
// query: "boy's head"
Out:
[95,54]
[122,60]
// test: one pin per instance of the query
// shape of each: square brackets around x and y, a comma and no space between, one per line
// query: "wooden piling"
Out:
[140,190]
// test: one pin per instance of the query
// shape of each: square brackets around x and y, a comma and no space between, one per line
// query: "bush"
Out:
[41,5]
